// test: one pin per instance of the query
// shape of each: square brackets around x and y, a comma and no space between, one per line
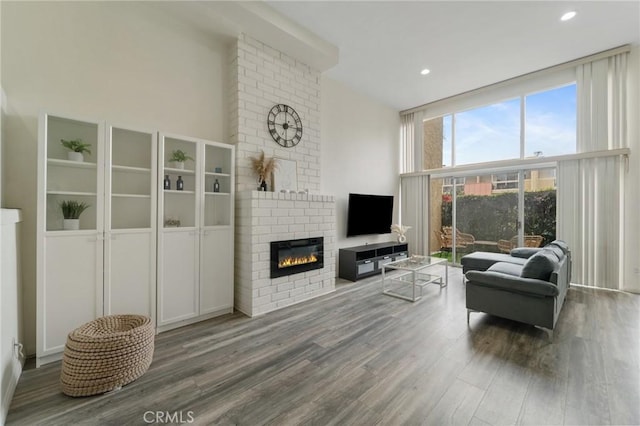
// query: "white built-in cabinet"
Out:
[195,231]
[125,258]
[108,266]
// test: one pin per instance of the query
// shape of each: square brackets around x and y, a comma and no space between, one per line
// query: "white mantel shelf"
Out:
[266,195]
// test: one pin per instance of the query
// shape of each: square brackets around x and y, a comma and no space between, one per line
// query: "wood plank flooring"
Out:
[357,357]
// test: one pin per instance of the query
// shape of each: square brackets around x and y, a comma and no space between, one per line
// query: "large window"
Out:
[550,122]
[489,133]
[497,209]
[501,132]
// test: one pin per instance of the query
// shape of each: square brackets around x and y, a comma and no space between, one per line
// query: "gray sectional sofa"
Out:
[528,285]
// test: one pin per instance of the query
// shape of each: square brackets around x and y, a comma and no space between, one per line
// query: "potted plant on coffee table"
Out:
[71,211]
[178,158]
[76,147]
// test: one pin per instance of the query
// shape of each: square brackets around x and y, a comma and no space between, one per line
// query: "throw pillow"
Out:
[539,266]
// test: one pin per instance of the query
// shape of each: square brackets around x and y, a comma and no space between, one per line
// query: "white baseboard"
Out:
[7,394]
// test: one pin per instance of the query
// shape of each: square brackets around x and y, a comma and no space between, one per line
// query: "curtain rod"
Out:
[596,56]
[511,164]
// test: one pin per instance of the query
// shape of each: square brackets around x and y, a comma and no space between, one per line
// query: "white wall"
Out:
[632,191]
[124,62]
[360,152]
[10,333]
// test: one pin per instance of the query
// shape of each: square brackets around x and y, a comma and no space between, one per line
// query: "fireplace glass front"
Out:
[294,256]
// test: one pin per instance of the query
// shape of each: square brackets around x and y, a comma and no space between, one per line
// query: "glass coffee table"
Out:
[410,275]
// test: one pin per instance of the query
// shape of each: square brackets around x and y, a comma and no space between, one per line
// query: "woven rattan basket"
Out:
[106,353]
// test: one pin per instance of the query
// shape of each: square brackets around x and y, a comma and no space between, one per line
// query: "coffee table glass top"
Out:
[415,263]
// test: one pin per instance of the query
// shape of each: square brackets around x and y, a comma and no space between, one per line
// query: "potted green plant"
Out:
[178,158]
[71,211]
[76,147]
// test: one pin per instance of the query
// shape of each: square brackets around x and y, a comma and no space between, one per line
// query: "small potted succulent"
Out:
[178,158]
[71,211]
[76,147]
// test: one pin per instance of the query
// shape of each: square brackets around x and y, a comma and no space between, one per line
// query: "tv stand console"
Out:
[363,261]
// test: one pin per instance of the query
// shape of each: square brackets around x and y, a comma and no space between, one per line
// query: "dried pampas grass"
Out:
[263,166]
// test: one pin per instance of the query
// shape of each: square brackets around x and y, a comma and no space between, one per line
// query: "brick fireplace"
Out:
[261,77]
[263,218]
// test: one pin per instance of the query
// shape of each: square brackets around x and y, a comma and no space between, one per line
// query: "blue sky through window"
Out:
[492,133]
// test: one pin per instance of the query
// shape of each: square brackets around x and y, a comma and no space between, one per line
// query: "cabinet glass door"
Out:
[179,183]
[132,179]
[72,178]
[217,186]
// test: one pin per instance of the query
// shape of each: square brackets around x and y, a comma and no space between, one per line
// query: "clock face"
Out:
[284,125]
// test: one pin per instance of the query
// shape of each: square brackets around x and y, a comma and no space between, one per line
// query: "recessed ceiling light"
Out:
[568,16]
[425,71]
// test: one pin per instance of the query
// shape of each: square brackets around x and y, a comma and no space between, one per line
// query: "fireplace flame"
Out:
[293,261]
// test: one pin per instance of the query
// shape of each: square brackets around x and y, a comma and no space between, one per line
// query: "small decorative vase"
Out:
[263,186]
[75,156]
[71,224]
[402,238]
[178,165]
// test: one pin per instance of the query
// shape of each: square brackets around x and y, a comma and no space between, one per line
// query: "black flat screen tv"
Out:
[369,214]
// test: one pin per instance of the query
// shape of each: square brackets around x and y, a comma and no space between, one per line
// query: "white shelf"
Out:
[79,194]
[69,233]
[179,229]
[175,191]
[183,172]
[67,163]
[217,174]
[131,169]
[131,195]
[216,193]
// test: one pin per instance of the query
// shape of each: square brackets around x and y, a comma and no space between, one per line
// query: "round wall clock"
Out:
[284,125]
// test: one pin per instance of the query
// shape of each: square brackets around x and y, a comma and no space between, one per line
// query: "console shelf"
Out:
[363,261]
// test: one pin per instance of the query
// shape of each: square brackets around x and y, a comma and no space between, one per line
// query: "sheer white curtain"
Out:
[590,202]
[407,141]
[414,193]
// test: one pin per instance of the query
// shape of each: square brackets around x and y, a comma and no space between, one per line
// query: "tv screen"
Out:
[369,214]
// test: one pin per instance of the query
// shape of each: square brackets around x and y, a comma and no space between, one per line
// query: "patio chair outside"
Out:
[506,246]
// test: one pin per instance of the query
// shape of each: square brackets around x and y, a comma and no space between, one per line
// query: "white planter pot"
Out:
[75,156]
[178,165]
[71,224]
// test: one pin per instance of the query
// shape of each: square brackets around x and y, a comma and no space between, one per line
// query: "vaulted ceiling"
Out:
[378,48]
[385,44]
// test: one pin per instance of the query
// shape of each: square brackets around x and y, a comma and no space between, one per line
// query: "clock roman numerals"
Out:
[285,125]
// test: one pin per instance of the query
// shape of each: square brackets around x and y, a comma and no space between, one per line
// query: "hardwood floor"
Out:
[357,357]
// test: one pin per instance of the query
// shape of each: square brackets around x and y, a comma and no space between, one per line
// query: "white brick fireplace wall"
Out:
[263,217]
[262,77]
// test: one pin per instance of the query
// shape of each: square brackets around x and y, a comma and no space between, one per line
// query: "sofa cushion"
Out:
[561,244]
[524,252]
[506,268]
[539,266]
[509,283]
[481,260]
[557,251]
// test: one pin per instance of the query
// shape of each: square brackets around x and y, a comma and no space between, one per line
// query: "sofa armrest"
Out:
[510,283]
[524,252]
